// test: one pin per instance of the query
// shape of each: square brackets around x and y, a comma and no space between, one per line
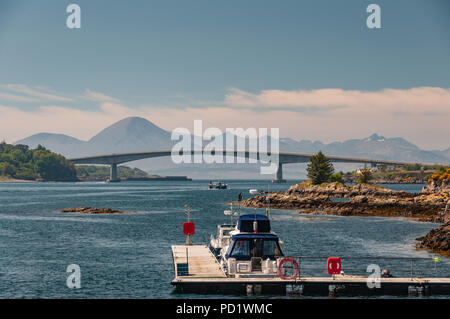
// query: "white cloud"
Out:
[420,100]
[420,115]
[99,97]
[37,93]
[16,124]
[16,98]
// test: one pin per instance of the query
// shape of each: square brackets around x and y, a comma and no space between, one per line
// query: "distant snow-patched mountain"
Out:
[380,147]
[374,146]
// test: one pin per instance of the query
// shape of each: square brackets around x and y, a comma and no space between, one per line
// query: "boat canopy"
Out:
[254,236]
[245,223]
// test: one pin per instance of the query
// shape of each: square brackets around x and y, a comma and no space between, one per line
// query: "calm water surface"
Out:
[129,256]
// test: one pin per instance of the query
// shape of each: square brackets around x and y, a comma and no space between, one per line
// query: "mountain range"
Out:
[132,134]
[135,134]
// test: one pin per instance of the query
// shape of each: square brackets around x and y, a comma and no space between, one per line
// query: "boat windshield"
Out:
[245,249]
[226,232]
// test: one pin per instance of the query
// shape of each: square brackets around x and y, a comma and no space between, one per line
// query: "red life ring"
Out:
[294,263]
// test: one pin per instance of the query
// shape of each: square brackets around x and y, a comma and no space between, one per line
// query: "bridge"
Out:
[284,158]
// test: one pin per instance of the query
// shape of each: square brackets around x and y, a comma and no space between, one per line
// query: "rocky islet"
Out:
[430,205]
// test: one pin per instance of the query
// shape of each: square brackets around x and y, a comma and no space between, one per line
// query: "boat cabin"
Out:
[253,247]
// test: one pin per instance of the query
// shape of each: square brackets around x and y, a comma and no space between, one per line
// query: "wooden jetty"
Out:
[198,271]
[195,262]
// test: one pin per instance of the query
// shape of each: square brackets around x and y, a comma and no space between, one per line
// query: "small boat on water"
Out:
[217,185]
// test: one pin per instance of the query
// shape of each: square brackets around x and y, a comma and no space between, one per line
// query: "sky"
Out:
[311,68]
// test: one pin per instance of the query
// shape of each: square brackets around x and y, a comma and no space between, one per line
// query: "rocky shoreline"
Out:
[14,180]
[437,240]
[431,205]
[359,200]
[91,210]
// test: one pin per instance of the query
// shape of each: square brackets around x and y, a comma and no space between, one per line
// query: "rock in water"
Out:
[91,210]
[437,240]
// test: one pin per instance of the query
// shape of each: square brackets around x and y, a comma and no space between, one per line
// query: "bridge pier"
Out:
[113,173]
[279,175]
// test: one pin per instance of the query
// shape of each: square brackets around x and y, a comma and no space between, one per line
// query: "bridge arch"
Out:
[283,158]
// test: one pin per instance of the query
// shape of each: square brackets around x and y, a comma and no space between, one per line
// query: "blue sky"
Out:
[161,56]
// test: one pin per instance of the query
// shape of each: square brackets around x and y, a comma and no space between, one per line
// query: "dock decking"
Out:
[199,272]
[201,262]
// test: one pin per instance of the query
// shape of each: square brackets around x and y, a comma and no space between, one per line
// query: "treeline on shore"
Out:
[21,162]
[101,173]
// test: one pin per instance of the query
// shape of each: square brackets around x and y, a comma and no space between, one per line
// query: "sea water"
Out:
[129,255]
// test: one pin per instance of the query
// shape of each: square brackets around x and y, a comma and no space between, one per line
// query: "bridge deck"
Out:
[283,157]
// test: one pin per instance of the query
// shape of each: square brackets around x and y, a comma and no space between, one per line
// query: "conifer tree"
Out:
[319,169]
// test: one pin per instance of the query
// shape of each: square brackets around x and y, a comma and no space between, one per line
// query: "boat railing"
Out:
[405,267]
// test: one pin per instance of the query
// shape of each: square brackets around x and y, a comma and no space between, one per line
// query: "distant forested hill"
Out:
[21,162]
[101,173]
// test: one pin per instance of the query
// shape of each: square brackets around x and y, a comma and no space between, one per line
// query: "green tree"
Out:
[337,178]
[7,169]
[319,169]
